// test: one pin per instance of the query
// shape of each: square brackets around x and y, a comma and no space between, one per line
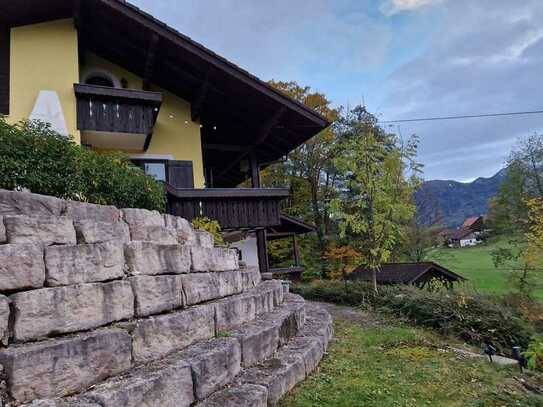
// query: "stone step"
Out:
[266,383]
[203,368]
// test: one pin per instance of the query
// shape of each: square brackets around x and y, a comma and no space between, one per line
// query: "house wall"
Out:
[469,242]
[175,135]
[249,250]
[44,57]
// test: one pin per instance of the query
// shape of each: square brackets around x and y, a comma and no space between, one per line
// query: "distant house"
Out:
[463,238]
[469,233]
[417,274]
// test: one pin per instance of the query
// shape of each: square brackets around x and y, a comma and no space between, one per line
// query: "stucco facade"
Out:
[45,57]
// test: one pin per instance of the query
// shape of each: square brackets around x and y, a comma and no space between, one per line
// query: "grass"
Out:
[403,366]
[475,263]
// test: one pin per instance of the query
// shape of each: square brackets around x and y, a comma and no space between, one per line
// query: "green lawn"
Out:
[475,263]
[402,366]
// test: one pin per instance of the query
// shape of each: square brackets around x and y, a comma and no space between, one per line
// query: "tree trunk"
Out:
[318,222]
[374,280]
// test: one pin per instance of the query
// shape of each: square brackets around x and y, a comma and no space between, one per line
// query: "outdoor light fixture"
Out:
[490,351]
[517,355]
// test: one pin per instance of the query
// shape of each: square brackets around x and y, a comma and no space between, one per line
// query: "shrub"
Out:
[112,179]
[534,355]
[474,318]
[208,225]
[36,158]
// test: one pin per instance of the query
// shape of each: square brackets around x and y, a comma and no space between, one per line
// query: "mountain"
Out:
[451,202]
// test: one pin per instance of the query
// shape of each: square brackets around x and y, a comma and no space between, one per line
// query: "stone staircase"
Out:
[107,307]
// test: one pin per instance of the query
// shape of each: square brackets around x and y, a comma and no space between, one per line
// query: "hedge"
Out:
[474,318]
[34,157]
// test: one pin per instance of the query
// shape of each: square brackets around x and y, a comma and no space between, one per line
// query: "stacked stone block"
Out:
[133,304]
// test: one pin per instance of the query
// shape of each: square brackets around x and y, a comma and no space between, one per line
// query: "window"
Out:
[156,170]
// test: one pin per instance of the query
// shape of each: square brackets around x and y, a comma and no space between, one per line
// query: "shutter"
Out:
[5,35]
[180,174]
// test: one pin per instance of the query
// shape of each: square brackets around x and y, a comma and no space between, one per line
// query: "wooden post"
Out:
[296,252]
[261,238]
[255,170]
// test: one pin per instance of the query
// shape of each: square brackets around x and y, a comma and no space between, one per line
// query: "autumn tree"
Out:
[343,260]
[309,172]
[524,181]
[534,251]
[515,213]
[377,197]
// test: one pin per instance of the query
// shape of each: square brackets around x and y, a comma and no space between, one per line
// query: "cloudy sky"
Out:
[403,58]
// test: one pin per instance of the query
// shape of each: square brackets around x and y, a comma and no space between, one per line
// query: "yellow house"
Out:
[114,78]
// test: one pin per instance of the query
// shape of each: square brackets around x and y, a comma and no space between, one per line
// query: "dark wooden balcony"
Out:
[233,208]
[117,113]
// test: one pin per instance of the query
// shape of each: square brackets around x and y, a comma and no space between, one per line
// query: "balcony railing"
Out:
[113,110]
[233,208]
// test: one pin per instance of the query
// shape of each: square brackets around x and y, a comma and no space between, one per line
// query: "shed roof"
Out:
[238,111]
[404,273]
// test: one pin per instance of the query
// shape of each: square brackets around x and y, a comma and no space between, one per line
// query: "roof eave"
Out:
[215,60]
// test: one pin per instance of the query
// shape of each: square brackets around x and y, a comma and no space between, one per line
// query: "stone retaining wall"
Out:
[133,308]
[71,273]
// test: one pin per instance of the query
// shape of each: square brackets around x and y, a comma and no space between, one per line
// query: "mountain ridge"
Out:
[450,202]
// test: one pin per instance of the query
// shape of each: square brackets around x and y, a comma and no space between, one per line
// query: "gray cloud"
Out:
[391,7]
[484,56]
[410,58]
[281,38]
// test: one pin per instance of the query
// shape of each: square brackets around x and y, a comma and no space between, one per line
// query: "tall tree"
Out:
[309,171]
[524,181]
[534,251]
[515,212]
[376,203]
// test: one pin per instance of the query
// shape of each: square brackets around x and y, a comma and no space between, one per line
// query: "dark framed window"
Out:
[158,169]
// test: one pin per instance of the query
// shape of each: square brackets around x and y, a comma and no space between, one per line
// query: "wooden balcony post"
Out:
[261,238]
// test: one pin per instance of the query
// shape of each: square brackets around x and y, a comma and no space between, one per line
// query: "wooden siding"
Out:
[116,110]
[232,208]
[4,69]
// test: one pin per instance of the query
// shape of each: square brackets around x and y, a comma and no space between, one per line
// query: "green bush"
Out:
[474,318]
[210,226]
[534,354]
[34,157]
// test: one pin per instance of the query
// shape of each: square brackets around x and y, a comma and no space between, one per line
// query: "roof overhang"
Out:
[290,226]
[241,115]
